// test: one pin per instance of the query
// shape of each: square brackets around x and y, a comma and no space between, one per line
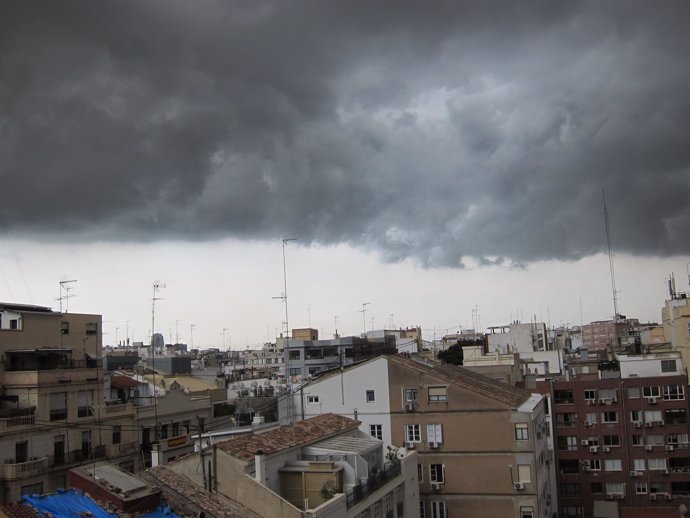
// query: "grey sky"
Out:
[428,130]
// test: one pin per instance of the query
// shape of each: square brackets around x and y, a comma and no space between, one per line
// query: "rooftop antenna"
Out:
[191,335]
[286,240]
[335,319]
[225,330]
[614,292]
[157,285]
[66,296]
[309,313]
[363,311]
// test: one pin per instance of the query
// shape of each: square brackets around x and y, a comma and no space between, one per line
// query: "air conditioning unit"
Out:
[648,447]
[664,471]
[436,486]
[661,423]
[520,486]
[669,447]
[653,496]
[651,400]
[648,425]
[637,424]
[614,399]
[602,401]
[667,496]
[591,401]
[409,445]
[634,474]
[584,442]
[586,467]
[588,423]
[593,449]
[409,407]
[606,449]
[433,445]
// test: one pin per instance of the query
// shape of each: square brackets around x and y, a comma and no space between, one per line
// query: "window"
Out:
[521,432]
[371,397]
[434,433]
[524,472]
[411,395]
[641,488]
[668,365]
[566,419]
[64,328]
[175,429]
[639,465]
[164,431]
[596,488]
[420,473]
[637,440]
[296,371]
[58,406]
[656,464]
[677,438]
[658,487]
[633,392]
[91,328]
[655,440]
[294,354]
[526,511]
[314,370]
[609,417]
[612,440]
[572,510]
[636,416]
[590,394]
[593,440]
[591,417]
[422,510]
[375,430]
[613,465]
[652,416]
[563,397]
[595,464]
[570,489]
[615,488]
[312,399]
[117,434]
[607,393]
[438,394]
[436,473]
[674,416]
[651,391]
[438,509]
[674,392]
[569,467]
[568,443]
[413,433]
[33,489]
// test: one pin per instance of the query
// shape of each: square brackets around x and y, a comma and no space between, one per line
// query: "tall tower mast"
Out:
[614,292]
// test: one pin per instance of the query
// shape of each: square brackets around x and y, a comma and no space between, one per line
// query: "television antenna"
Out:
[65,295]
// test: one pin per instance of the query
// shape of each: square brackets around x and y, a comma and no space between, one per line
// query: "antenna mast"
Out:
[64,287]
[614,292]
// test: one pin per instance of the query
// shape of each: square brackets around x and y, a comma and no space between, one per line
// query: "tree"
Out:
[452,355]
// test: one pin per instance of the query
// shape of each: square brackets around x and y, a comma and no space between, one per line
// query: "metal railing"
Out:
[375,481]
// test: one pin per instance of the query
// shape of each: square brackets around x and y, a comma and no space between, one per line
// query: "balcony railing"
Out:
[24,469]
[15,423]
[362,490]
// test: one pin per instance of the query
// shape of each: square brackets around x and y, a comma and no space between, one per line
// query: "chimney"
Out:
[260,467]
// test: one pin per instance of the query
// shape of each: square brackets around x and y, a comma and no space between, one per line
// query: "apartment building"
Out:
[53,413]
[604,334]
[676,322]
[621,437]
[482,445]
[319,467]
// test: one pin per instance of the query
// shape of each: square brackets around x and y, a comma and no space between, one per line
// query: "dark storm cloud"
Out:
[432,130]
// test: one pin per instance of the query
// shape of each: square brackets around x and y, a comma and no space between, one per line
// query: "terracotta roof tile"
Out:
[19,511]
[469,380]
[189,499]
[288,437]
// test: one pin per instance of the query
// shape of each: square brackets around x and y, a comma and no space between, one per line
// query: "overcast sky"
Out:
[430,157]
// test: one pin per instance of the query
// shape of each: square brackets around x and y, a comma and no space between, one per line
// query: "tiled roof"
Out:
[121,381]
[18,511]
[469,380]
[189,499]
[284,438]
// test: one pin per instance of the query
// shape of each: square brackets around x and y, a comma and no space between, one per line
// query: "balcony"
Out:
[119,409]
[362,490]
[30,468]
[125,448]
[18,423]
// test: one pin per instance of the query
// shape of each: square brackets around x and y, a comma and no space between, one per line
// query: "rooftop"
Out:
[469,380]
[190,499]
[302,433]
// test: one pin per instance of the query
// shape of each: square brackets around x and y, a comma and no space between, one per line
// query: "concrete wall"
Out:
[342,394]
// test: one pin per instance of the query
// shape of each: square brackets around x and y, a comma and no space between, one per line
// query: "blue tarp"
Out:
[73,504]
